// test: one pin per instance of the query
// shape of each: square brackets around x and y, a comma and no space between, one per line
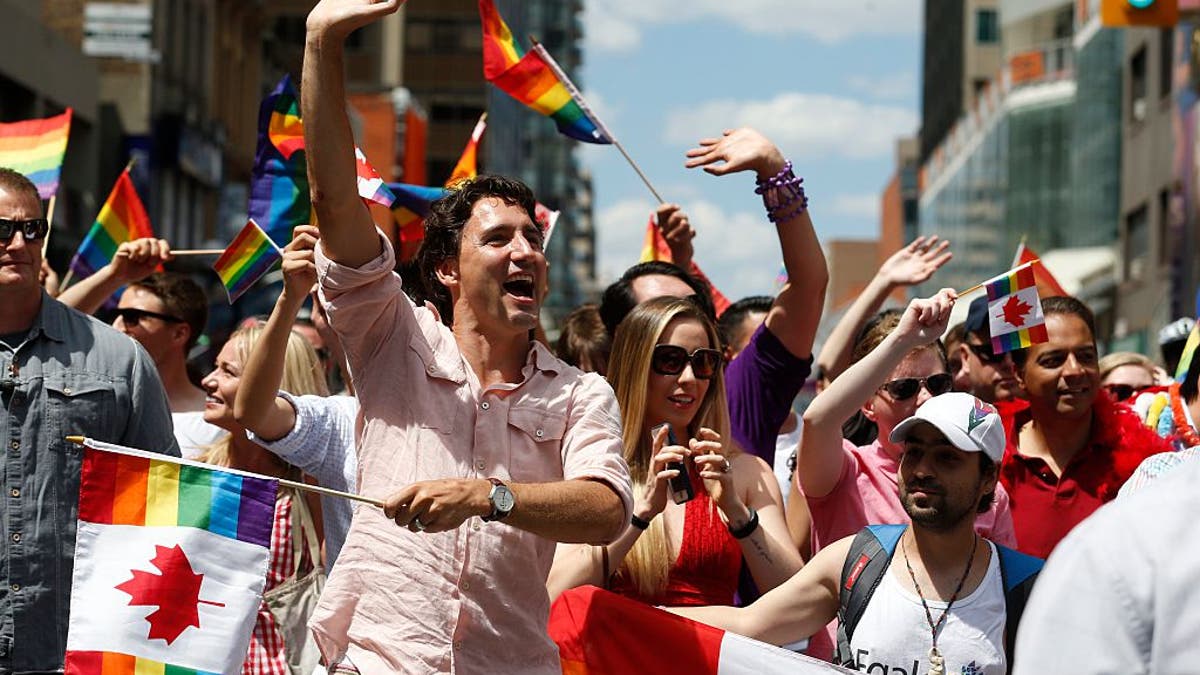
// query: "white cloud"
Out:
[887,88]
[618,25]
[805,126]
[738,251]
[864,206]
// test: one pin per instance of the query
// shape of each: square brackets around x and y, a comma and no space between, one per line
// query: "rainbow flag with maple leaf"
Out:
[1015,310]
[170,563]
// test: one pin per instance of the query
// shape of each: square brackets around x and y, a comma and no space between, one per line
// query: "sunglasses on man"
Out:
[32,229]
[672,359]
[985,355]
[907,387]
[133,317]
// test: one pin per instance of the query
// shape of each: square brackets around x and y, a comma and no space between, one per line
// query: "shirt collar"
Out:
[541,358]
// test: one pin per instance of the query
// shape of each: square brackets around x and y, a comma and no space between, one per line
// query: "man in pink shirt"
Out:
[461,426]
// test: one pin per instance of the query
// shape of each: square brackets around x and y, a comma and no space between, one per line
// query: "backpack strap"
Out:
[866,562]
[1018,573]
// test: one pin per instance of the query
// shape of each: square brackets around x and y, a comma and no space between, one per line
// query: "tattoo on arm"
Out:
[761,549]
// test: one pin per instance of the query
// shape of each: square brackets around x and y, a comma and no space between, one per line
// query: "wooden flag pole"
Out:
[112,447]
[982,284]
[50,224]
[198,251]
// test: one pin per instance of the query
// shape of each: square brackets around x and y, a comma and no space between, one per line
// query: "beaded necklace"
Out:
[1182,429]
[937,664]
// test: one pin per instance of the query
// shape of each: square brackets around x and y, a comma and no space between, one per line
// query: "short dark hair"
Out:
[444,227]
[735,315]
[12,180]
[583,342]
[181,297]
[986,466]
[618,298]
[1063,305]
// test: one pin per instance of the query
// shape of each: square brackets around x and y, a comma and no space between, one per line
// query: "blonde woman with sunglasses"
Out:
[898,364]
[667,372]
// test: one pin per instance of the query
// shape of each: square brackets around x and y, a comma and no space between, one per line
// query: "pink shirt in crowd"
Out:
[472,600]
[868,493]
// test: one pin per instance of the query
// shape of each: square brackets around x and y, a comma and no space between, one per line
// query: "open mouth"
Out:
[520,286]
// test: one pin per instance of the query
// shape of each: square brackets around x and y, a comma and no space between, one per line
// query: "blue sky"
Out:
[832,83]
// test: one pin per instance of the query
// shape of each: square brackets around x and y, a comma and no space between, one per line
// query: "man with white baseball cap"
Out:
[925,608]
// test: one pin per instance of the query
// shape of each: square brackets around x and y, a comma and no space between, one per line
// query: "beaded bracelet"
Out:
[780,192]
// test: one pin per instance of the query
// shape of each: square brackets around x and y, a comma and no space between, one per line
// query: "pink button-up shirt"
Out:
[472,600]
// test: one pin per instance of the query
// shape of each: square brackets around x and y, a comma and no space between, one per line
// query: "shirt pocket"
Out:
[536,443]
[84,406]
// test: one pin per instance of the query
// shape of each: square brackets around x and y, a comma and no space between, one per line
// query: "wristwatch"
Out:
[501,499]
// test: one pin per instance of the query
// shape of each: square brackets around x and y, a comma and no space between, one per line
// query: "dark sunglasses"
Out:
[133,316]
[1123,392]
[984,354]
[907,387]
[32,229]
[672,359]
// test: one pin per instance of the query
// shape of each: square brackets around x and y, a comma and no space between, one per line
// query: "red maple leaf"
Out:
[176,593]
[1015,310]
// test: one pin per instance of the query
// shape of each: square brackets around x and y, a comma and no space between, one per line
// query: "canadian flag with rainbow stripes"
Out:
[170,563]
[1014,310]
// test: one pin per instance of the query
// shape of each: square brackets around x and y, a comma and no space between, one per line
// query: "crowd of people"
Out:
[653,450]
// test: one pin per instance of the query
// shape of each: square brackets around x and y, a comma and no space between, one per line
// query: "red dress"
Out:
[706,571]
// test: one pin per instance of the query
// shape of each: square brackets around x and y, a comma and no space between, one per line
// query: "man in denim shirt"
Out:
[61,373]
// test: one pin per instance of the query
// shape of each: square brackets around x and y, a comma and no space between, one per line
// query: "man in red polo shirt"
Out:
[1070,448]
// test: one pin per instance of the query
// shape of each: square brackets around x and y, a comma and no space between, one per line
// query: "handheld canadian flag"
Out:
[1014,310]
[170,563]
[370,184]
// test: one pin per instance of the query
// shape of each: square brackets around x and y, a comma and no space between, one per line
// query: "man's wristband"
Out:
[747,529]
[638,522]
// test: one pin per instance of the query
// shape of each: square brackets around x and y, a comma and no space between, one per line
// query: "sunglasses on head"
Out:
[672,359]
[133,316]
[984,354]
[32,229]
[907,387]
[1123,392]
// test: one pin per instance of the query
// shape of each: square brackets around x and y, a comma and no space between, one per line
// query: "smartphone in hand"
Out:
[681,485]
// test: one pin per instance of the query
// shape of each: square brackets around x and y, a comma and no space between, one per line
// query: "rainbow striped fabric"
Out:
[279,199]
[1015,310]
[36,148]
[122,218]
[411,207]
[170,564]
[535,80]
[245,260]
[468,166]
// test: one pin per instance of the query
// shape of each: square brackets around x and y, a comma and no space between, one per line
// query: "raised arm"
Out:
[796,312]
[134,260]
[348,234]
[819,463]
[258,406]
[789,613]
[909,266]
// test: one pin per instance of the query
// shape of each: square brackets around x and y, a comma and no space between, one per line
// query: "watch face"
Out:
[503,499]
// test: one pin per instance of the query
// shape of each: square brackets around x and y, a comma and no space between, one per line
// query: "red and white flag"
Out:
[654,247]
[602,633]
[370,184]
[1047,285]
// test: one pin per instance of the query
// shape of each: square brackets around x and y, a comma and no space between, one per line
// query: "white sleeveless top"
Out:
[893,634]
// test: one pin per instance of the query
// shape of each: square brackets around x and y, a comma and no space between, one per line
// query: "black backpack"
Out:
[868,560]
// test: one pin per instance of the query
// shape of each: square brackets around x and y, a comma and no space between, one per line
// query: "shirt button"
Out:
[458,645]
[16,536]
[16,445]
[15,492]
[485,405]
[466,585]
[430,369]
[480,465]
[67,391]
[15,587]
[475,525]
[540,433]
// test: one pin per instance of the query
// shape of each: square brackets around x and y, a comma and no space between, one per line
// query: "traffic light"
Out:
[1116,13]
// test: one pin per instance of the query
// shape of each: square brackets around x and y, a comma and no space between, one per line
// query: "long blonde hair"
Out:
[648,563]
[302,374]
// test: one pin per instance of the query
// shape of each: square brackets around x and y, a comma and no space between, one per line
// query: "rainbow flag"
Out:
[245,260]
[170,563]
[370,186]
[279,198]
[467,166]
[122,218]
[411,207]
[535,80]
[36,148]
[1015,310]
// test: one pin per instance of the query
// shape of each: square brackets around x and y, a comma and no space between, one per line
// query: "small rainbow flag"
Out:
[1189,353]
[279,198]
[122,218]
[467,166]
[170,564]
[1015,310]
[246,259]
[370,185]
[36,148]
[535,80]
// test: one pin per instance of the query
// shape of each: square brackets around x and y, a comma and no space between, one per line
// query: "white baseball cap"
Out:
[968,423]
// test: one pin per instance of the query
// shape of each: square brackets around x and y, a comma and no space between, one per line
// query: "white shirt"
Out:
[194,434]
[1120,593]
[785,447]
[893,634]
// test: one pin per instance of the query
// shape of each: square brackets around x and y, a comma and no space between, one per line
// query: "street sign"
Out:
[1117,13]
[119,30]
